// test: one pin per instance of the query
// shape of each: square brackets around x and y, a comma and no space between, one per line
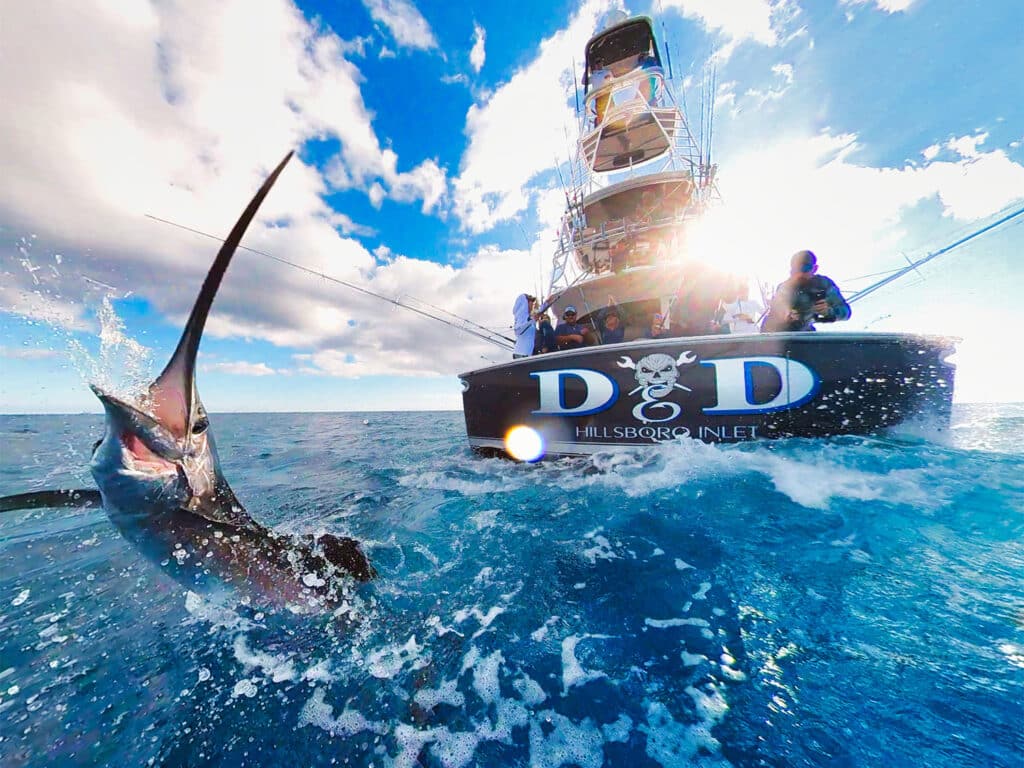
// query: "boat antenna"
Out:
[494,338]
[711,113]
[935,254]
[575,88]
[668,48]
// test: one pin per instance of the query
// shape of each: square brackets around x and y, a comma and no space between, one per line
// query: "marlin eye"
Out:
[201,425]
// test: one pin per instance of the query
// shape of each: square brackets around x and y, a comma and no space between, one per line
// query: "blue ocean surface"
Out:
[844,602]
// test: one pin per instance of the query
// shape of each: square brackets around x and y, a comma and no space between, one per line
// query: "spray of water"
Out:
[123,365]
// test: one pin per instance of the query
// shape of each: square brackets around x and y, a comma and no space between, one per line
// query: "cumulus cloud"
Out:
[851,211]
[889,6]
[520,130]
[240,368]
[27,353]
[125,110]
[759,97]
[477,53]
[736,21]
[404,21]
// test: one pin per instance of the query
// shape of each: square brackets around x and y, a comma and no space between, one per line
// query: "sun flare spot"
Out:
[524,443]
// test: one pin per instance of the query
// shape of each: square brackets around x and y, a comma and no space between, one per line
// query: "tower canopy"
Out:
[621,48]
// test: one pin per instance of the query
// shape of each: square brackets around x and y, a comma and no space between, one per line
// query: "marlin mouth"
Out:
[148,445]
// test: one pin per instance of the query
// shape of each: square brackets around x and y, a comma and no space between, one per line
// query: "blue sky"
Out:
[428,135]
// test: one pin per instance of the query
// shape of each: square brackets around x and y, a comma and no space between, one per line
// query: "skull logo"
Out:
[657,374]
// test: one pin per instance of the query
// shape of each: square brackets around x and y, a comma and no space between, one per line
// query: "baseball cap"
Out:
[570,310]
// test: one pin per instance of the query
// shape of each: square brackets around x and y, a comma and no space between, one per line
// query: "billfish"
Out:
[161,484]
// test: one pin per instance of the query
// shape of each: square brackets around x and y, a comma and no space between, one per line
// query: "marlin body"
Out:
[161,484]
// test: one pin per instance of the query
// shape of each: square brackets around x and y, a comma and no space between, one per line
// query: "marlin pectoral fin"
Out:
[54,499]
[223,507]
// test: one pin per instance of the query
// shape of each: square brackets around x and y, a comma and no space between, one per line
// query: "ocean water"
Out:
[843,602]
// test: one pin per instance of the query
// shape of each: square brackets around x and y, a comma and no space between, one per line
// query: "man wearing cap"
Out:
[523,325]
[569,334]
[609,320]
[805,298]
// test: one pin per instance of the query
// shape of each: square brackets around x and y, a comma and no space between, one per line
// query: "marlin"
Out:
[161,484]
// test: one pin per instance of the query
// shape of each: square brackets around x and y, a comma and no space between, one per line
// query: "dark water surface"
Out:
[844,602]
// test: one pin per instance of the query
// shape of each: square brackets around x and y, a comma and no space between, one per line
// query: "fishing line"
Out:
[352,286]
[935,254]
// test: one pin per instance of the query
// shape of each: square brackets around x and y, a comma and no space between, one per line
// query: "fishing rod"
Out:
[460,319]
[915,264]
[505,343]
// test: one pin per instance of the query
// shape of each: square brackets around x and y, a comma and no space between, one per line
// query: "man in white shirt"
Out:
[741,315]
[524,326]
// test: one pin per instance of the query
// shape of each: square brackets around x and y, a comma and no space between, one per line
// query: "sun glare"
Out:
[524,443]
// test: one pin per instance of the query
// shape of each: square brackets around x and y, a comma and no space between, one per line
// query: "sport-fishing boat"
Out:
[639,182]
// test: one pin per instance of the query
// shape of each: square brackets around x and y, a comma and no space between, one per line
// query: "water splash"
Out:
[123,366]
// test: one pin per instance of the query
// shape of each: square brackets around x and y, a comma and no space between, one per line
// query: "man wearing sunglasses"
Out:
[569,334]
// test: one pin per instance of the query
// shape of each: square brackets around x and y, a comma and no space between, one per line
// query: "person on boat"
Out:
[524,326]
[545,335]
[657,329]
[569,334]
[740,314]
[612,329]
[805,298]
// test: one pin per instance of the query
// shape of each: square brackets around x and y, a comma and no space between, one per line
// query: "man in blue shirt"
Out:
[569,334]
[612,329]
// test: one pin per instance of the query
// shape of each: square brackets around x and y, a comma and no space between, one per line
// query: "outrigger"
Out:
[639,181]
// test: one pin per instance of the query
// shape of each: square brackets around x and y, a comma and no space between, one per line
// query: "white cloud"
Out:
[42,303]
[889,6]
[520,130]
[404,21]
[760,97]
[736,21]
[967,146]
[27,353]
[180,112]
[240,368]
[802,192]
[477,54]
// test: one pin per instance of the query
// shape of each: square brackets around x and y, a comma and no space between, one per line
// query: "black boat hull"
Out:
[711,388]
